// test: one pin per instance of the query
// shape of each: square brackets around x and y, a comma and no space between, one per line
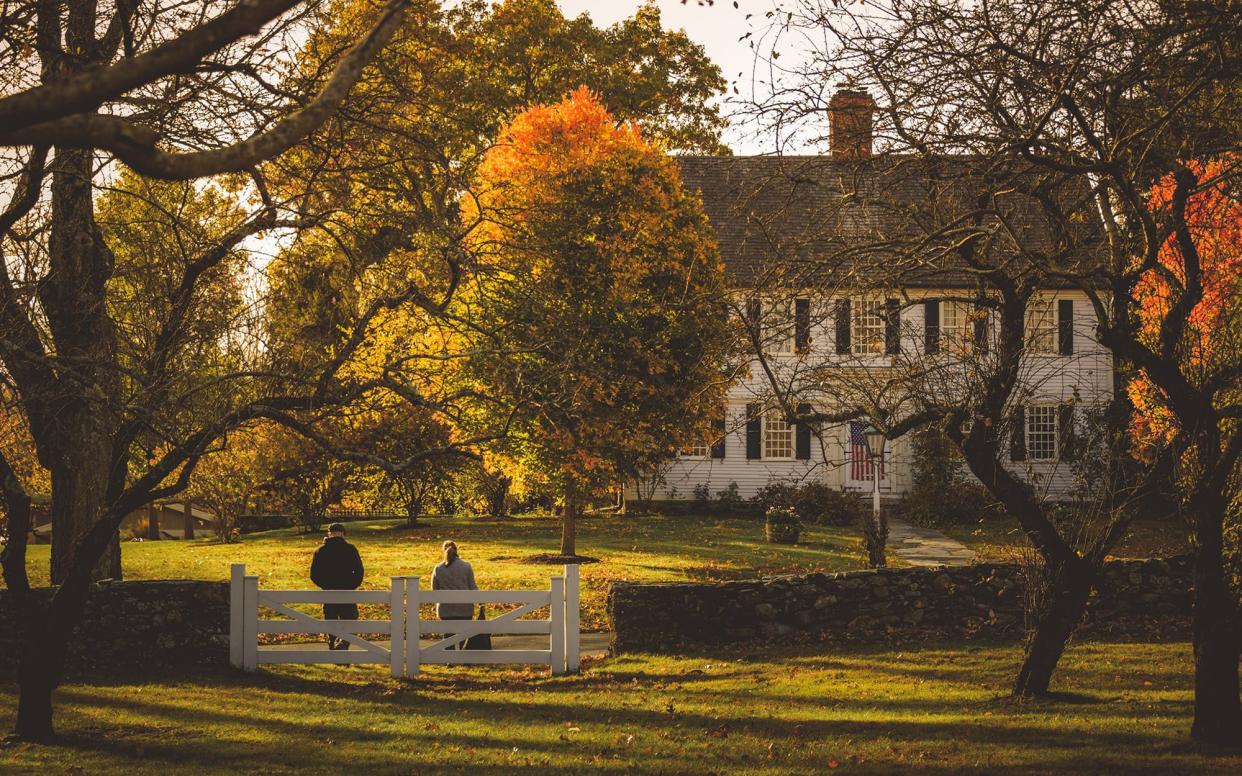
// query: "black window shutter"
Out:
[754,432]
[1065,326]
[802,435]
[752,318]
[802,325]
[1017,435]
[931,326]
[981,329]
[892,327]
[719,430]
[843,326]
[1067,441]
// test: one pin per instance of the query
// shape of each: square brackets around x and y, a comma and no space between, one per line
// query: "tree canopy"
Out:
[602,292]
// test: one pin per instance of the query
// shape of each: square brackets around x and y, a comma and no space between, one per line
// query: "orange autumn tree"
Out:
[600,289]
[1213,332]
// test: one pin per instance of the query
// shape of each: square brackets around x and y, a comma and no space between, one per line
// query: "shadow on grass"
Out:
[723,710]
[506,726]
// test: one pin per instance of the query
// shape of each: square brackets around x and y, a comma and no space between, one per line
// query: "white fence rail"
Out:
[404,627]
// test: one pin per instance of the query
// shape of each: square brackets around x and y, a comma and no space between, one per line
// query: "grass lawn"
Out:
[999,539]
[938,708]
[642,549]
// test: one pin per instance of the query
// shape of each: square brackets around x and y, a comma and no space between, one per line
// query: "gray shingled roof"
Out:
[812,221]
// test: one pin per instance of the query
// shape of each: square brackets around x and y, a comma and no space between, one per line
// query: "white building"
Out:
[791,223]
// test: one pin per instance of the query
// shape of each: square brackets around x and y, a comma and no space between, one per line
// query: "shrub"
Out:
[702,496]
[729,499]
[781,526]
[818,504]
[814,503]
[941,494]
[963,504]
[775,495]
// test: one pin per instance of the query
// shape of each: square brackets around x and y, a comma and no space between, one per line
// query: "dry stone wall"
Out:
[138,623]
[1143,597]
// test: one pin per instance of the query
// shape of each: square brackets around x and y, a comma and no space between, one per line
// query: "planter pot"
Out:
[782,533]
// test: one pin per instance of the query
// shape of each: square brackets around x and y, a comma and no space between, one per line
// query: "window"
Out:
[1041,433]
[956,327]
[867,336]
[696,450]
[778,327]
[778,435]
[1041,325]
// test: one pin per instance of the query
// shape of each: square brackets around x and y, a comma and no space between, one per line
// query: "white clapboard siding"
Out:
[1085,376]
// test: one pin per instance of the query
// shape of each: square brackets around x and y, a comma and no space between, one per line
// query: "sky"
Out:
[717,28]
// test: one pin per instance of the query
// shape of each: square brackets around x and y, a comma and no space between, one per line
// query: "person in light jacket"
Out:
[453,573]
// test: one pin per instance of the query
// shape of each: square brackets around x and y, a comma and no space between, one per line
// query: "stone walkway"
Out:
[926,546]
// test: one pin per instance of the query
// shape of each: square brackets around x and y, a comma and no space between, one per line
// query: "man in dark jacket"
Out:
[337,566]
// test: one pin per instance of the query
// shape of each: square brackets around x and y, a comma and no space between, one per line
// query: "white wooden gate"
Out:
[404,626]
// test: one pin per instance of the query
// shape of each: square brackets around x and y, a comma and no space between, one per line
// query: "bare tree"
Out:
[1079,108]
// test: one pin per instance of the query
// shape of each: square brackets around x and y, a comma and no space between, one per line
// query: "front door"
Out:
[857,465]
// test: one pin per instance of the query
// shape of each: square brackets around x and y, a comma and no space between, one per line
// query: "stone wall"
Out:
[1147,597]
[139,623]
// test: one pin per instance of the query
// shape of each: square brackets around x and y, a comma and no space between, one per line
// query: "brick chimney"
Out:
[850,115]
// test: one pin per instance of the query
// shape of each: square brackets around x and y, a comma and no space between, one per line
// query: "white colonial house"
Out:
[775,219]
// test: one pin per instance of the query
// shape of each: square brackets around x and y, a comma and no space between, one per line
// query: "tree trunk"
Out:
[78,447]
[17,511]
[412,509]
[36,679]
[569,527]
[1218,718]
[47,629]
[1055,622]
[79,494]
[498,496]
[153,522]
[1218,714]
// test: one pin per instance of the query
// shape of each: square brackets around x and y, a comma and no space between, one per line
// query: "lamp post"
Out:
[873,440]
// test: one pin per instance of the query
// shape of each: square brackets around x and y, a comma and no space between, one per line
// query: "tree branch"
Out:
[135,145]
[88,89]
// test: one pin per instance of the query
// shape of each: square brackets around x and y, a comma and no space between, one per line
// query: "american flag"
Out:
[860,467]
